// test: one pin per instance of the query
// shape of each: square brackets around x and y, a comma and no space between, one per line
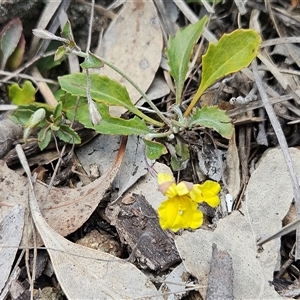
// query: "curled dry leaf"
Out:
[64,209]
[133,43]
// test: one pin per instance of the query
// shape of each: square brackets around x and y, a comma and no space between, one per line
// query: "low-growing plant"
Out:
[86,98]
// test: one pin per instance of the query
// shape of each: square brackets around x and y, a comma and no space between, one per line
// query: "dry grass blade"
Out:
[44,88]
[45,18]
[84,273]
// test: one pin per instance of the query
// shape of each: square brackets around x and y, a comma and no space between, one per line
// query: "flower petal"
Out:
[211,187]
[183,188]
[166,184]
[164,177]
[171,191]
[196,193]
[179,212]
[212,201]
[207,192]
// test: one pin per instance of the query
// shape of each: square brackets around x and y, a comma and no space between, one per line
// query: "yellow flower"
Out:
[179,212]
[167,186]
[180,209]
[207,192]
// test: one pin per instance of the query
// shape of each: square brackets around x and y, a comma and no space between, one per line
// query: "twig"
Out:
[151,104]
[102,10]
[190,15]
[28,64]
[94,112]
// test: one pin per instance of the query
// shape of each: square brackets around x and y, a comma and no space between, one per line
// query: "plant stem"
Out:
[137,111]
[151,136]
[193,102]
[151,104]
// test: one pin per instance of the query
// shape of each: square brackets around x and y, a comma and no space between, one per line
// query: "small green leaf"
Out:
[176,163]
[179,52]
[46,63]
[36,118]
[91,61]
[103,89]
[22,96]
[55,128]
[182,150]
[154,150]
[230,54]
[44,137]
[68,135]
[108,125]
[60,52]
[9,39]
[213,117]
[180,159]
[58,110]
[67,32]
[21,115]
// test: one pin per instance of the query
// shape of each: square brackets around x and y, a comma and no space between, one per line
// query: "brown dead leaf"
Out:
[133,43]
[11,229]
[84,273]
[64,209]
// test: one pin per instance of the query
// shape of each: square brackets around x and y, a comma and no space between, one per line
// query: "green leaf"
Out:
[37,117]
[91,61]
[9,39]
[213,117]
[103,89]
[44,137]
[22,96]
[68,135]
[182,150]
[35,120]
[179,52]
[230,54]
[60,52]
[23,113]
[176,164]
[47,63]
[154,150]
[108,125]
[67,32]
[180,159]
[58,110]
